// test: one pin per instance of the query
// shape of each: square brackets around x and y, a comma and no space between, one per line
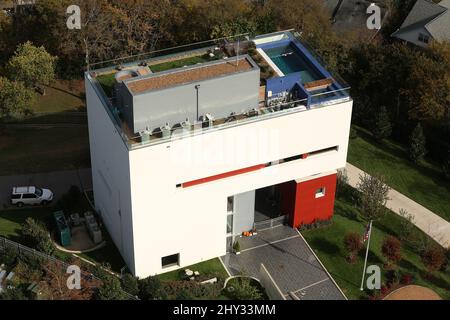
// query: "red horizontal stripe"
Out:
[222,175]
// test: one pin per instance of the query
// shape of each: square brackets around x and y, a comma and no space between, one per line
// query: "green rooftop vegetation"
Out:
[182,62]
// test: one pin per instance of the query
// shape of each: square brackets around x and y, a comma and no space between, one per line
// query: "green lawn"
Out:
[180,63]
[212,268]
[31,150]
[61,96]
[327,242]
[424,184]
[11,220]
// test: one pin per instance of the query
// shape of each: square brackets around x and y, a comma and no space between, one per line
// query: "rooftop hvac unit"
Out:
[165,131]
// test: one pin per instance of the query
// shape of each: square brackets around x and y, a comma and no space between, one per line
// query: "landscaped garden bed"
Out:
[328,243]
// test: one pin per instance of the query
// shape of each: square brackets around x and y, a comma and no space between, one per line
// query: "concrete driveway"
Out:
[287,257]
[59,182]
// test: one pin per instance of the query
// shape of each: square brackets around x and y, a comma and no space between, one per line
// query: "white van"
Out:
[21,196]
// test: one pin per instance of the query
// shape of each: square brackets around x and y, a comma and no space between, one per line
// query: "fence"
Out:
[22,250]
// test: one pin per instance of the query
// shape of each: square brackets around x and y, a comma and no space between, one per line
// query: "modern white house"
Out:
[427,21]
[185,160]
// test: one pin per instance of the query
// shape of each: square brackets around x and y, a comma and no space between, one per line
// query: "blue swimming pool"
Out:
[289,60]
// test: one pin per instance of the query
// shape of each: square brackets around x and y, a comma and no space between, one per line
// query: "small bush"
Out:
[130,284]
[236,246]
[391,249]
[9,256]
[353,244]
[314,225]
[406,279]
[151,289]
[110,290]
[244,289]
[433,258]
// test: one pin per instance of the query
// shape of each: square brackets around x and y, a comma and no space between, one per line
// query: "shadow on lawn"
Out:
[325,246]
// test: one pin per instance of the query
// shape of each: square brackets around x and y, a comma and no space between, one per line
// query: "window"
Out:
[229,223]
[320,192]
[38,192]
[170,261]
[230,204]
[29,196]
[424,38]
[16,196]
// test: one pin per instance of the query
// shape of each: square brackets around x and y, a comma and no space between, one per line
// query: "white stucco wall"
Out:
[192,221]
[110,176]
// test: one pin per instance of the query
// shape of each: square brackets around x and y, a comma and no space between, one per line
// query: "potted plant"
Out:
[237,247]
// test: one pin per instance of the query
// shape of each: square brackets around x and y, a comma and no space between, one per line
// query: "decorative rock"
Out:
[188,272]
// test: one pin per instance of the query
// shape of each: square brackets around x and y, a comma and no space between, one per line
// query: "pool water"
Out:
[289,60]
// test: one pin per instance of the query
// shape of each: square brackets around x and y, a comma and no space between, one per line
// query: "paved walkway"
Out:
[427,221]
[289,260]
[59,182]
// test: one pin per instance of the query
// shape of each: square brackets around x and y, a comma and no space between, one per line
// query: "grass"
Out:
[11,220]
[61,96]
[180,63]
[422,183]
[107,81]
[31,150]
[327,242]
[212,268]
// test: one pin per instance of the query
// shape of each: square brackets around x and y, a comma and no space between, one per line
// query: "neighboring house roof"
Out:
[435,18]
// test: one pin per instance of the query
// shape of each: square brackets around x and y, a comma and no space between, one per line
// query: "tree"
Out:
[32,65]
[417,147]
[15,98]
[433,257]
[381,127]
[110,290]
[353,244]
[373,195]
[391,250]
[38,236]
[406,224]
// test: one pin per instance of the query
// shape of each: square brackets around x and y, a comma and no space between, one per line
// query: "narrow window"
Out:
[230,204]
[320,192]
[170,261]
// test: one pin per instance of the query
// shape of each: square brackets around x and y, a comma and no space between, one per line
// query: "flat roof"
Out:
[187,75]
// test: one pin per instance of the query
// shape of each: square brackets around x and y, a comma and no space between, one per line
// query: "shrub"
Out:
[185,290]
[16,293]
[391,249]
[353,244]
[244,289]
[342,182]
[236,246]
[417,144]
[314,225]
[130,284]
[406,279]
[433,257]
[151,289]
[406,224]
[110,290]
[9,256]
[37,236]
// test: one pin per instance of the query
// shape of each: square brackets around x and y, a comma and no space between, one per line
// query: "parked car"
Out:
[30,195]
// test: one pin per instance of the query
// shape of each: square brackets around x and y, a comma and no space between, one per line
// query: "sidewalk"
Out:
[59,182]
[427,221]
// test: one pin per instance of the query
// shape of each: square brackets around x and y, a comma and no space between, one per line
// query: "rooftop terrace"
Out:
[303,84]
